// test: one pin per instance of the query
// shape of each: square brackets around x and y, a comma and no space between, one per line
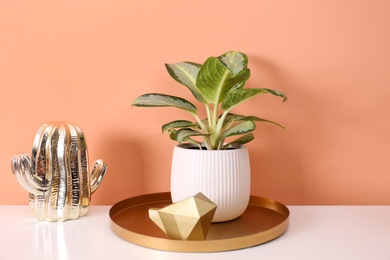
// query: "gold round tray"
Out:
[262,221]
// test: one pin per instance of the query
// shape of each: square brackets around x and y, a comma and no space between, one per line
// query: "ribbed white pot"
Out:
[221,175]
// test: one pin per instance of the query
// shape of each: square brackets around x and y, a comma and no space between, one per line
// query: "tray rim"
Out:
[216,245]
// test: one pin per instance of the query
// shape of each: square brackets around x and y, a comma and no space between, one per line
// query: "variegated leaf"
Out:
[185,133]
[239,118]
[177,124]
[186,73]
[238,96]
[172,134]
[162,100]
[192,141]
[212,80]
[241,140]
[238,81]
[235,61]
[241,128]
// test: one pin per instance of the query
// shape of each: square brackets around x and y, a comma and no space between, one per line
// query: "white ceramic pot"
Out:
[221,175]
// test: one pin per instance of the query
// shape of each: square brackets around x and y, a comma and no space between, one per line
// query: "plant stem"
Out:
[202,126]
[218,128]
[206,140]
[208,114]
[214,133]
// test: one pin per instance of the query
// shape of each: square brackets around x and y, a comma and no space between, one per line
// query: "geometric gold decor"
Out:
[189,219]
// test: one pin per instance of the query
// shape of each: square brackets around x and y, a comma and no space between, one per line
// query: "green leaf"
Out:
[192,141]
[238,81]
[185,133]
[241,140]
[172,134]
[239,118]
[185,73]
[162,100]
[235,61]
[276,93]
[238,96]
[177,124]
[212,80]
[241,128]
[228,116]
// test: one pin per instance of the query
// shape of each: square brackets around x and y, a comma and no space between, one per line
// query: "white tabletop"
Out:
[315,232]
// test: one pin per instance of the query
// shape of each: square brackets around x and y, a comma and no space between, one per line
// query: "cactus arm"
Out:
[97,174]
[21,167]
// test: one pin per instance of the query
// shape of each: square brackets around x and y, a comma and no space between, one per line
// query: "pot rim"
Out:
[194,147]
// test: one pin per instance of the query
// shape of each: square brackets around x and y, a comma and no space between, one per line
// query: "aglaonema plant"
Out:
[218,84]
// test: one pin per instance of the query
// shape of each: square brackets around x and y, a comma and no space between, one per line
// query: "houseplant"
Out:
[218,84]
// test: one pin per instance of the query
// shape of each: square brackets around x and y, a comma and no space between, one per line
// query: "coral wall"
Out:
[85,61]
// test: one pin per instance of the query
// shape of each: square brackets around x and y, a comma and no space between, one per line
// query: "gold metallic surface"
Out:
[57,174]
[263,220]
[189,219]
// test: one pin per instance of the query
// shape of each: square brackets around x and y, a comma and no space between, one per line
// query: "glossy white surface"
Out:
[315,232]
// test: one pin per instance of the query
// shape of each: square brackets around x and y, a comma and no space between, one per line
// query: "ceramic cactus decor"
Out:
[57,176]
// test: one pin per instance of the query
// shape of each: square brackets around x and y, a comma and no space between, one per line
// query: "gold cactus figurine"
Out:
[189,219]
[57,176]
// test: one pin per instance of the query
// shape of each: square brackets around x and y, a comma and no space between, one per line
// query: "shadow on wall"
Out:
[278,172]
[310,163]
[124,178]
[277,166]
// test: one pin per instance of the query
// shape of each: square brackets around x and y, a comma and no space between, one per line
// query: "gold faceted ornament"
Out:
[189,219]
